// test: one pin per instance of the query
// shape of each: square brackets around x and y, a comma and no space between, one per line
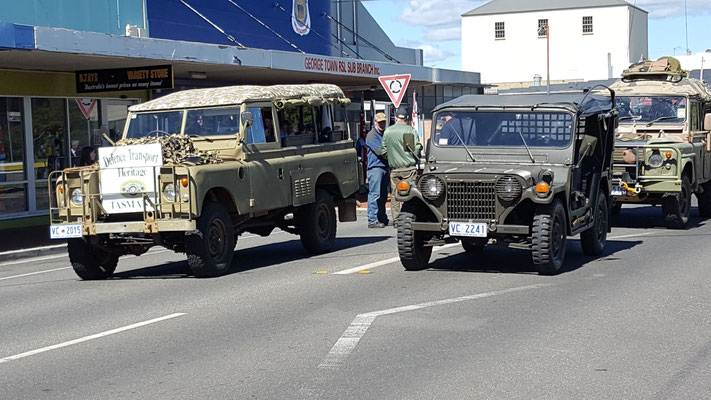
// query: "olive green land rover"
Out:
[663,145]
[519,171]
[195,169]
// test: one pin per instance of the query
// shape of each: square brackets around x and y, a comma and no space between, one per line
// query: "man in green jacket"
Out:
[402,163]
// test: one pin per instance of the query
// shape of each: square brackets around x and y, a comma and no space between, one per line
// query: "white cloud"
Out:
[437,12]
[441,34]
[433,53]
[669,8]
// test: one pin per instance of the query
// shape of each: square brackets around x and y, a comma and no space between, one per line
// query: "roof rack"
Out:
[664,69]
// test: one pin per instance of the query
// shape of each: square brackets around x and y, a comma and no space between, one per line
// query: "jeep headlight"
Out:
[77,197]
[169,192]
[508,188]
[431,187]
[655,160]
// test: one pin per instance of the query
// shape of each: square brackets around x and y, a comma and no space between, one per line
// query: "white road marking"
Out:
[34,259]
[33,273]
[87,338]
[633,235]
[372,265]
[350,338]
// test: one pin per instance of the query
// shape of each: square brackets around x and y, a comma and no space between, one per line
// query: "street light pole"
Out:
[548,58]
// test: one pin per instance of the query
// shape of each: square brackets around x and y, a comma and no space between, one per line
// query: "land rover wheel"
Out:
[414,255]
[90,263]
[474,245]
[317,224]
[549,238]
[704,199]
[593,239]
[211,247]
[676,208]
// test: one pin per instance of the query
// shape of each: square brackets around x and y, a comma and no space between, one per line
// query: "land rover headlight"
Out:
[432,187]
[655,160]
[508,188]
[169,192]
[77,197]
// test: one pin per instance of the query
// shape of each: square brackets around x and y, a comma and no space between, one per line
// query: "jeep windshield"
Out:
[154,124]
[503,129]
[670,109]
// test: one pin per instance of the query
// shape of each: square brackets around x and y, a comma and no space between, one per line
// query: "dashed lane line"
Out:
[384,262]
[350,338]
[87,338]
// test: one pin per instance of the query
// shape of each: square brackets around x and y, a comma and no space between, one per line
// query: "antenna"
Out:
[686,29]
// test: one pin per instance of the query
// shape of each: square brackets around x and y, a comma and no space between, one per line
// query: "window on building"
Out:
[499,32]
[542,27]
[587,25]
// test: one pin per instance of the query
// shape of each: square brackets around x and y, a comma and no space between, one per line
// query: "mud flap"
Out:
[347,210]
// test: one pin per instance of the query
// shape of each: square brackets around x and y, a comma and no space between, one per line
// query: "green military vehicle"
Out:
[197,168]
[663,146]
[520,171]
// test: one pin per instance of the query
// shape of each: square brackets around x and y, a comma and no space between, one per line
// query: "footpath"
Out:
[34,241]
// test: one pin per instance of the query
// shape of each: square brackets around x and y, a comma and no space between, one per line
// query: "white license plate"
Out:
[618,191]
[65,231]
[475,229]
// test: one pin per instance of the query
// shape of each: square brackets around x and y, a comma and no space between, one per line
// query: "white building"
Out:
[589,39]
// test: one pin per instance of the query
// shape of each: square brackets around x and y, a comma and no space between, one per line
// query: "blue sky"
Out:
[434,25]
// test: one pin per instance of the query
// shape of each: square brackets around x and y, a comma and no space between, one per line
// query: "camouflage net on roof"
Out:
[177,149]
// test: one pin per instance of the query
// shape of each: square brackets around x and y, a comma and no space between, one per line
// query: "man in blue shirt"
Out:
[378,175]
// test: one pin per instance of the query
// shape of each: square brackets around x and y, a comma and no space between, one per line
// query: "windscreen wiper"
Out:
[634,117]
[660,119]
[533,160]
[464,144]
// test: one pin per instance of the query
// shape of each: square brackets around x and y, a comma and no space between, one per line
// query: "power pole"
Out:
[548,58]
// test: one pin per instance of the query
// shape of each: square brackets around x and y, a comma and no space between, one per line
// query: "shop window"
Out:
[83,128]
[116,119]
[49,128]
[13,198]
[13,175]
[499,32]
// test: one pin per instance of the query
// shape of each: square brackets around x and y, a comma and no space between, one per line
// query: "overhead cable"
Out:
[229,37]
[386,55]
[265,25]
[279,6]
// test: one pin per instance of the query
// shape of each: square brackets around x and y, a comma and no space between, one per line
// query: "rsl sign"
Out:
[300,17]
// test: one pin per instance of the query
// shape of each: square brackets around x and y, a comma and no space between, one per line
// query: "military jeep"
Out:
[197,168]
[520,171]
[663,146]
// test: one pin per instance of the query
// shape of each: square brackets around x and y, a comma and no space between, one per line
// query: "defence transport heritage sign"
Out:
[111,80]
[126,173]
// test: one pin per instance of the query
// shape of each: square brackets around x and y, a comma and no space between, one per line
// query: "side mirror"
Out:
[587,145]
[707,122]
[247,118]
[408,142]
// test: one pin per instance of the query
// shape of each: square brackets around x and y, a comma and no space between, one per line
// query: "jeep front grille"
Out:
[471,200]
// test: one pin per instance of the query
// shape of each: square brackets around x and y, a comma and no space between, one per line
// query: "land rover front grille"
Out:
[471,200]
[619,165]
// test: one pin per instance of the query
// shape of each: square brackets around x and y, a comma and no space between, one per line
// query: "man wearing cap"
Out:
[377,175]
[402,162]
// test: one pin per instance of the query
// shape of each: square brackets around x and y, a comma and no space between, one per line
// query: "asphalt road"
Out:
[632,324]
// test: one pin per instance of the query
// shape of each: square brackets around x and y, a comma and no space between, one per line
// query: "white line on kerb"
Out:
[87,338]
[632,235]
[350,338]
[384,262]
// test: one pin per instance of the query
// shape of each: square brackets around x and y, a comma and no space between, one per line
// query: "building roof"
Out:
[517,6]
[233,95]
[583,103]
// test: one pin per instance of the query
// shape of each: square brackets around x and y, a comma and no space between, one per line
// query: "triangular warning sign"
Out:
[395,86]
[86,106]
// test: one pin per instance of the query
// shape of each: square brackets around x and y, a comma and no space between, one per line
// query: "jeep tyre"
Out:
[474,245]
[593,239]
[90,263]
[704,199]
[317,224]
[414,255]
[548,238]
[676,208]
[210,250]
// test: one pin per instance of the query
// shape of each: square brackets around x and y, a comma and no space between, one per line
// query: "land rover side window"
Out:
[670,109]
[155,124]
[297,120]
[212,121]
[503,129]
[262,130]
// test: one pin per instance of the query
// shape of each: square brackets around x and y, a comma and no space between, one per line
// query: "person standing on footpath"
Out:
[378,180]
[402,163]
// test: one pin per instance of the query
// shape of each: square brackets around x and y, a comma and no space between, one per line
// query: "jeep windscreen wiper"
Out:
[661,119]
[633,117]
[464,145]
[533,160]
